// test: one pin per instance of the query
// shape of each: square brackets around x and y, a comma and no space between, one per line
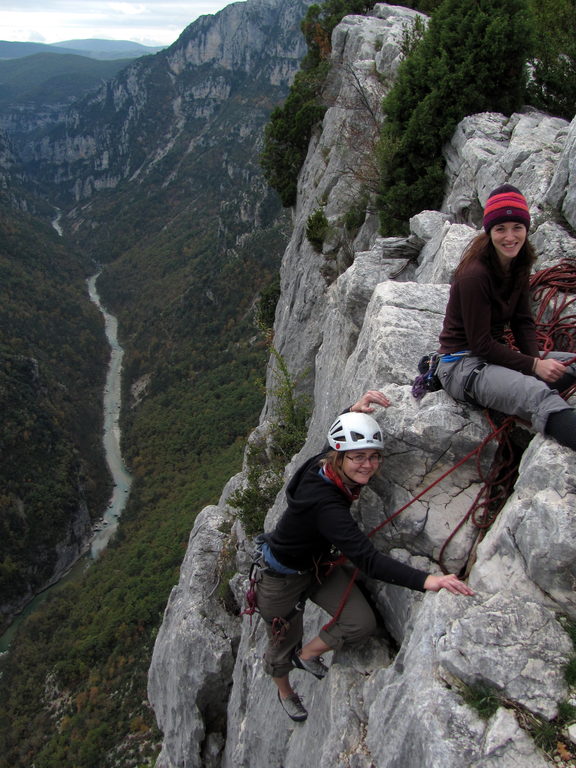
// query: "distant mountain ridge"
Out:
[93,48]
[47,79]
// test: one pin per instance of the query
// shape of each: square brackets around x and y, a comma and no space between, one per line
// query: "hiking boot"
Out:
[314,665]
[293,707]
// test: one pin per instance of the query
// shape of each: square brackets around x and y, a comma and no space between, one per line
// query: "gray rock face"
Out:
[195,651]
[367,327]
[562,191]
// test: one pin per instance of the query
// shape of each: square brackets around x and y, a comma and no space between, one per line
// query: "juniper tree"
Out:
[471,59]
[552,86]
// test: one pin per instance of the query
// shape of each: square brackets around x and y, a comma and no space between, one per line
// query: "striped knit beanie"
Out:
[505,203]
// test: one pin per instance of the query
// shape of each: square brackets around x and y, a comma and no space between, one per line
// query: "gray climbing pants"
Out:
[505,390]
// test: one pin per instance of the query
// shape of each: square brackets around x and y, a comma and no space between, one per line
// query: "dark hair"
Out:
[482,249]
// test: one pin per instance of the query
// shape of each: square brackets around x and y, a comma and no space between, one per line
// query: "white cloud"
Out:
[154,22]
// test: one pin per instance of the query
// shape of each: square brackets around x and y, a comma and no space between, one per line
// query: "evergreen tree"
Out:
[552,87]
[471,59]
[287,135]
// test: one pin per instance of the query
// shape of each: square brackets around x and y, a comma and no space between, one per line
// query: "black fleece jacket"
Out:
[317,518]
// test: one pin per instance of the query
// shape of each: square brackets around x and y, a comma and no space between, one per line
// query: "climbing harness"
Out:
[279,624]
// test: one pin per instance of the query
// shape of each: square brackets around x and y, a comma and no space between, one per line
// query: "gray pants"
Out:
[277,596]
[508,391]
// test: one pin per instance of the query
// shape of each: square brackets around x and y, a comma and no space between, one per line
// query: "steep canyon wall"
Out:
[349,319]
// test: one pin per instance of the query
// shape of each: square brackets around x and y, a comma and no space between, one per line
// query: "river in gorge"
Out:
[111,433]
[104,529]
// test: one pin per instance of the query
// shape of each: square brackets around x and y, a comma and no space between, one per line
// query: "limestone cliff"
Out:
[160,110]
[359,315]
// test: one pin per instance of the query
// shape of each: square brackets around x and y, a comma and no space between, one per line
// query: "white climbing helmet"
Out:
[352,431]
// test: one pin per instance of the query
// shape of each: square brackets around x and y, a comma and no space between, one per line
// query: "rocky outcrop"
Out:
[366,326]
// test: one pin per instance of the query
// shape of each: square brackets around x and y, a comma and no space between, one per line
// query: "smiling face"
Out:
[508,239]
[359,466]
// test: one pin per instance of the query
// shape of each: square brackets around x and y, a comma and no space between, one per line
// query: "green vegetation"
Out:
[184,267]
[356,214]
[52,366]
[484,699]
[548,735]
[317,228]
[266,308]
[288,132]
[185,302]
[267,456]
[263,483]
[552,87]
[292,410]
[438,84]
[51,78]
[86,654]
[424,6]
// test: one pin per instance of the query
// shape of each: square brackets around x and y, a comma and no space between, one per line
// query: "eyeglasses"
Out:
[361,458]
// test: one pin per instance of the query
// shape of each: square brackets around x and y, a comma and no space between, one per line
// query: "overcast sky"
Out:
[151,22]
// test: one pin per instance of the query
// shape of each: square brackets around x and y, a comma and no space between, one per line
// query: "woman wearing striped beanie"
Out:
[489,296]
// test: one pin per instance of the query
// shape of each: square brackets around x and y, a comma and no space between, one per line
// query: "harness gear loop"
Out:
[259,566]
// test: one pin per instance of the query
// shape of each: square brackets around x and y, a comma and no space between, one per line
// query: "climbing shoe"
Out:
[293,707]
[314,665]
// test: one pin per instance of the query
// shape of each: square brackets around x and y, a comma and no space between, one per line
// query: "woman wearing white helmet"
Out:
[296,555]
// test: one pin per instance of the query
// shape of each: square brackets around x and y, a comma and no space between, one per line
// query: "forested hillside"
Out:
[51,78]
[159,172]
[53,367]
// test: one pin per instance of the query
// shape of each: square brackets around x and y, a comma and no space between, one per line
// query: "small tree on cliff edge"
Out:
[288,133]
[471,59]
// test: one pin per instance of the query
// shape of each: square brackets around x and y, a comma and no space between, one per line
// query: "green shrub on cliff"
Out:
[471,59]
[288,133]
[552,87]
